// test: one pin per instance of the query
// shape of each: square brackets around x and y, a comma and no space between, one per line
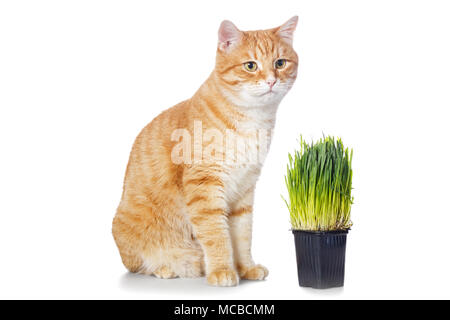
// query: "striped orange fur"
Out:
[194,217]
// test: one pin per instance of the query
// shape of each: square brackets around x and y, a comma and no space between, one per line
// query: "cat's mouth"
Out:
[268,93]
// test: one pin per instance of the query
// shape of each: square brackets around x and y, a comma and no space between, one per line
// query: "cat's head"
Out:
[256,68]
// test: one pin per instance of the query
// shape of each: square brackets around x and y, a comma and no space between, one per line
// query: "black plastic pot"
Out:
[320,258]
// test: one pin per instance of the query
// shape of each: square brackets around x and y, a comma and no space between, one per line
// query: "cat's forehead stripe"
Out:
[261,44]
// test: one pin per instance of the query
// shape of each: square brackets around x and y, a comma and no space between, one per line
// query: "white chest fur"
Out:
[250,147]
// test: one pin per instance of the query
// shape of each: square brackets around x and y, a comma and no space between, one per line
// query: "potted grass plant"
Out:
[319,184]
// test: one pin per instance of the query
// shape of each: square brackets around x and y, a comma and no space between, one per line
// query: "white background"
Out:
[79,80]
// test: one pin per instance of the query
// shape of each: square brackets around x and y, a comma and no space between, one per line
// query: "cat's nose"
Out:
[271,83]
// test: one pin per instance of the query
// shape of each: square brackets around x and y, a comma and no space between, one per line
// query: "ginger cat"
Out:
[180,217]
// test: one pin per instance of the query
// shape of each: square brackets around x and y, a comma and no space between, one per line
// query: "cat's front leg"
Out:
[240,222]
[207,212]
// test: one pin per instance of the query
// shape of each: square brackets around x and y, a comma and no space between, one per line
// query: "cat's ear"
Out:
[286,31]
[229,35]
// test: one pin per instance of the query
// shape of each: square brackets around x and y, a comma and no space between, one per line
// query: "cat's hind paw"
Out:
[223,278]
[165,273]
[256,272]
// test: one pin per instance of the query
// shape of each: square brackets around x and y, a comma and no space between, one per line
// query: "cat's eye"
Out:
[250,66]
[280,63]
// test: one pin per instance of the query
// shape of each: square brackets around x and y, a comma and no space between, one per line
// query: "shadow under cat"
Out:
[143,283]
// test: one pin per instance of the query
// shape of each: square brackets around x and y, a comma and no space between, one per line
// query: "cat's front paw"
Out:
[256,272]
[223,278]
